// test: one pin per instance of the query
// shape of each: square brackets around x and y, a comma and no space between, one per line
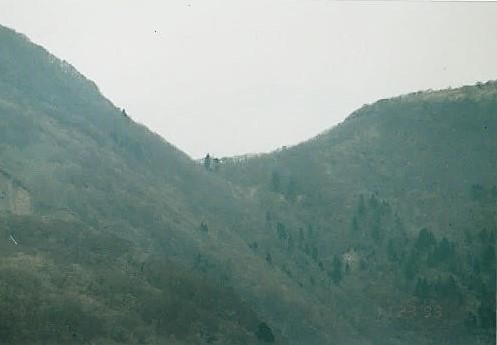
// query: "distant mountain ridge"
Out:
[378,231]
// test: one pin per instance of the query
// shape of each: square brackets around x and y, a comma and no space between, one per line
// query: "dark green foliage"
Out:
[291,243]
[207,162]
[282,233]
[275,182]
[314,254]
[264,333]
[493,192]
[269,217]
[470,322]
[363,264]
[425,240]
[488,256]
[269,258]
[204,227]
[486,313]
[355,224]
[361,208]
[443,252]
[337,270]
[392,250]
[477,191]
[411,266]
[483,235]
[301,237]
[291,191]
[253,245]
[422,289]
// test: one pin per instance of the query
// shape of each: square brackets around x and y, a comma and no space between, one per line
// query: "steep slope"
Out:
[68,155]
[96,193]
[391,215]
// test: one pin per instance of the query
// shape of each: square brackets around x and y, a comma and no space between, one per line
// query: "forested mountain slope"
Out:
[379,231]
[395,205]
[69,157]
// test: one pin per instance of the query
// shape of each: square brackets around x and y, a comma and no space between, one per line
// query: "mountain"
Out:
[68,155]
[98,202]
[396,205]
[378,231]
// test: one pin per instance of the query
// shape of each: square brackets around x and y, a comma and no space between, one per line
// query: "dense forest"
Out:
[381,230]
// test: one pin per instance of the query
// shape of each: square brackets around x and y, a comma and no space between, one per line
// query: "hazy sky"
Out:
[231,77]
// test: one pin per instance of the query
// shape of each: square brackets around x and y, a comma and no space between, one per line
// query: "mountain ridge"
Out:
[310,242]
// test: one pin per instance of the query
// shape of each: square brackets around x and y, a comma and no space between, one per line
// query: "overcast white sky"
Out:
[232,77]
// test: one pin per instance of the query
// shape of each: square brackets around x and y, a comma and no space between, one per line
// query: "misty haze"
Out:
[228,172]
